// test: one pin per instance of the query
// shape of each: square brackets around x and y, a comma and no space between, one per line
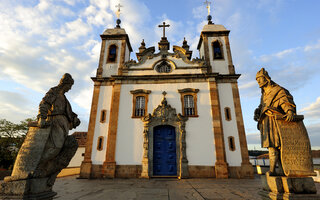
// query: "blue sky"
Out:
[40,40]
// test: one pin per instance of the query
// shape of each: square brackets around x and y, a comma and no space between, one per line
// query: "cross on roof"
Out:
[208,6]
[164,28]
[118,11]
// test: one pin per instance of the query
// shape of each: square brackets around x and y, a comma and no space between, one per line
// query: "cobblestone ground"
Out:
[70,188]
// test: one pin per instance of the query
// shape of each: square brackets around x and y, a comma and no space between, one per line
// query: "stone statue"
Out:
[285,136]
[47,148]
[275,100]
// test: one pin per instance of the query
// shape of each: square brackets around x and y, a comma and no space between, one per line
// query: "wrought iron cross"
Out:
[164,28]
[208,6]
[118,11]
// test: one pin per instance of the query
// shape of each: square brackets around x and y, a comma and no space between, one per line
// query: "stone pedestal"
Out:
[29,189]
[282,187]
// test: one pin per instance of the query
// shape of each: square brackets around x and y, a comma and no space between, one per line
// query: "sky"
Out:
[40,40]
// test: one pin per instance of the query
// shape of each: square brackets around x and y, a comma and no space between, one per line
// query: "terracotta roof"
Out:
[81,137]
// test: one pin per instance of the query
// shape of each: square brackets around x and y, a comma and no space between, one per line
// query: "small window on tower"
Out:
[189,102]
[100,143]
[227,113]
[103,116]
[217,50]
[232,146]
[112,56]
[140,102]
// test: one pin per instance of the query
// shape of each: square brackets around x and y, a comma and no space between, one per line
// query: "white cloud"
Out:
[313,110]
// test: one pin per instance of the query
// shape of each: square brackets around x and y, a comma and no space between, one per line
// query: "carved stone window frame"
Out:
[108,53]
[135,94]
[193,92]
[170,62]
[164,114]
[221,49]
[100,143]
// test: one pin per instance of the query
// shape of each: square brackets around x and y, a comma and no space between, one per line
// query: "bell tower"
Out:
[115,51]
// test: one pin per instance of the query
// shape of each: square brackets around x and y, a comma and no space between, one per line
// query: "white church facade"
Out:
[166,115]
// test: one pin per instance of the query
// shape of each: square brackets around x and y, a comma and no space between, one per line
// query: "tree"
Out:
[11,138]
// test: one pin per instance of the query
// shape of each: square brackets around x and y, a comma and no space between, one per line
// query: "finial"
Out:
[208,6]
[164,93]
[164,28]
[209,18]
[142,43]
[142,47]
[185,44]
[118,15]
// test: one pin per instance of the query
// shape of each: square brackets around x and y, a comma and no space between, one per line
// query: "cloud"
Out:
[313,110]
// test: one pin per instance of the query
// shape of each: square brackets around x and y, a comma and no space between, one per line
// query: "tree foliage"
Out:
[11,138]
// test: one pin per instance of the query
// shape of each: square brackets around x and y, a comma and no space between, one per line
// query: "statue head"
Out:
[263,78]
[66,82]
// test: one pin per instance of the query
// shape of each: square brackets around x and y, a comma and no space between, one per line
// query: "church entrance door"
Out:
[164,151]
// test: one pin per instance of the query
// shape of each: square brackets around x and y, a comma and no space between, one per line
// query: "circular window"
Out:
[164,67]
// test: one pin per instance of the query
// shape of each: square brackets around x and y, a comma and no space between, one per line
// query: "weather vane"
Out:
[208,6]
[118,11]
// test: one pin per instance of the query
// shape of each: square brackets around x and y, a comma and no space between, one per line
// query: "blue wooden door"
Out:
[164,151]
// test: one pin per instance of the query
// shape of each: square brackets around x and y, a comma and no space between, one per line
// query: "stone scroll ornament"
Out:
[47,148]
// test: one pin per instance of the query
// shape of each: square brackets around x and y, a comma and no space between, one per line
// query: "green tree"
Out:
[11,138]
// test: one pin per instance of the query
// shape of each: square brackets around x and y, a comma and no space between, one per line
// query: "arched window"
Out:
[163,67]
[188,105]
[140,106]
[112,56]
[217,50]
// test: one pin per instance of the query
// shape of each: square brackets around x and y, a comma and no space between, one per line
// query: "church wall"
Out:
[201,51]
[220,66]
[101,129]
[111,68]
[229,127]
[199,131]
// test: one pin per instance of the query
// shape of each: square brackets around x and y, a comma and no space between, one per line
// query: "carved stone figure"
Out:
[47,148]
[285,136]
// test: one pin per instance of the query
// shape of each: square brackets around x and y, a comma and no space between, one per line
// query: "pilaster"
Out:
[246,166]
[109,165]
[221,165]
[85,170]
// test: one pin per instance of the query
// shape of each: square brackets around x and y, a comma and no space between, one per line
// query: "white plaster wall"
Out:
[229,127]
[111,68]
[199,131]
[101,129]
[220,66]
[77,158]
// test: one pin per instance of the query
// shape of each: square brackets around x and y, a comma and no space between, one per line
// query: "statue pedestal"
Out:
[282,187]
[35,189]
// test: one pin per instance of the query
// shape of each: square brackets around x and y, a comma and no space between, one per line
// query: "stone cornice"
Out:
[167,78]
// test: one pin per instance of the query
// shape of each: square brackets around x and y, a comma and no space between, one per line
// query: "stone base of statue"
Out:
[29,189]
[282,187]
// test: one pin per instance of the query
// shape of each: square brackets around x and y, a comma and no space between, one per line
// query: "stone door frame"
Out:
[164,114]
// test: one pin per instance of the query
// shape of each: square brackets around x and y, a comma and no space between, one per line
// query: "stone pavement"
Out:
[70,188]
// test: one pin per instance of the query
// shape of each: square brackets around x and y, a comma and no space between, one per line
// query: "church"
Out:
[166,114]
